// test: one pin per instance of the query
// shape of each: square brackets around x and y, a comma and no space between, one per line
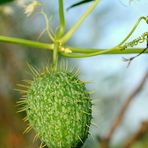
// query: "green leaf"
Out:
[5,1]
[79,3]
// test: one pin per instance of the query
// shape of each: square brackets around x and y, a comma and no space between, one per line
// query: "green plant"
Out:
[58,47]
[58,107]
[5,1]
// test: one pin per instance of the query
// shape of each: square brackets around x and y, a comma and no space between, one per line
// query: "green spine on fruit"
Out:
[58,108]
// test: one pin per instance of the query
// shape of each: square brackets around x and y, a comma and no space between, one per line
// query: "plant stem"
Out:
[55,56]
[84,50]
[133,29]
[62,18]
[68,35]
[103,51]
[26,42]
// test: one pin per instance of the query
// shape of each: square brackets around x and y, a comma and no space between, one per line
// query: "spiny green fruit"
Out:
[58,108]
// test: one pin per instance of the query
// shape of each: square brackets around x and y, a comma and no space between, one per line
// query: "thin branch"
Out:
[116,51]
[25,42]
[120,116]
[78,52]
[68,35]
[116,123]
[84,53]
[142,131]
[62,18]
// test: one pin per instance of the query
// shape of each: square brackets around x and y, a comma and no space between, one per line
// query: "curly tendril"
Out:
[139,40]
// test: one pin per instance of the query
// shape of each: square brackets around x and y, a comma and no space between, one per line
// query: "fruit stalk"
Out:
[55,57]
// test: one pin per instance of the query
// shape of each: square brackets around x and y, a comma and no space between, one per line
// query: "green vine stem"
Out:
[115,50]
[55,56]
[118,49]
[68,35]
[59,40]
[101,51]
[133,29]
[26,42]
[83,52]
[62,18]
[105,51]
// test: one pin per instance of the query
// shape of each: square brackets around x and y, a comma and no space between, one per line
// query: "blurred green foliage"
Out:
[5,1]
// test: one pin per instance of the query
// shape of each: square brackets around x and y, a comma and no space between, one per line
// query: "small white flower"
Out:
[29,9]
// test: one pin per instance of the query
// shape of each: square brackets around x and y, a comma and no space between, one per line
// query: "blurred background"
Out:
[111,79]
